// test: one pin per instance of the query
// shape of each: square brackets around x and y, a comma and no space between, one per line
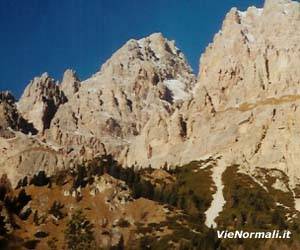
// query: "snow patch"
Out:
[218,202]
[177,88]
[297,201]
[297,204]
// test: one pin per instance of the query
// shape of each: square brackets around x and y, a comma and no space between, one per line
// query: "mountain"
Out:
[146,108]
[245,101]
[77,121]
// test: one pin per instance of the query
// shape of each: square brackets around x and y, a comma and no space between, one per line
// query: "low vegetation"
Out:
[250,207]
[184,193]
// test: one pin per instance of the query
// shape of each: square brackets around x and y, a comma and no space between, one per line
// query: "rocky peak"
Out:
[152,59]
[145,77]
[253,57]
[40,101]
[41,87]
[70,83]
[246,99]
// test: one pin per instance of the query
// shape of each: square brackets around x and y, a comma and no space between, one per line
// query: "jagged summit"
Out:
[154,47]
[152,52]
[40,100]
[70,83]
[143,78]
[253,56]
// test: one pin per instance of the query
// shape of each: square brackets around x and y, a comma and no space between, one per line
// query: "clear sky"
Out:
[39,36]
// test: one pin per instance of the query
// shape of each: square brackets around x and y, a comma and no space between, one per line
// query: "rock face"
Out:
[40,101]
[10,118]
[22,151]
[251,78]
[146,107]
[144,78]
[254,56]
[245,101]
[70,83]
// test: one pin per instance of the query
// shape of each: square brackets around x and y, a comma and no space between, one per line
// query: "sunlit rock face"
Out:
[70,83]
[245,102]
[145,79]
[254,56]
[40,101]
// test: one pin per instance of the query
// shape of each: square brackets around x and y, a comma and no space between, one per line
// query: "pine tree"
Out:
[79,234]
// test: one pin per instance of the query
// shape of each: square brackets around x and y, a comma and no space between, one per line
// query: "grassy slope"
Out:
[250,207]
[170,214]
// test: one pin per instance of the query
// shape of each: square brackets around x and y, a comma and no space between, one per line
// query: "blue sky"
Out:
[39,36]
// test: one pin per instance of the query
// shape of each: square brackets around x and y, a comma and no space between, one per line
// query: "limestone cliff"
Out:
[40,101]
[246,98]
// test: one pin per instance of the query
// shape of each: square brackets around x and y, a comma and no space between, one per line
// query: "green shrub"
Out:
[79,234]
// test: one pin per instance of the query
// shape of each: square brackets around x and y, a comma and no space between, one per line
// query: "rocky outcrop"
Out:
[40,101]
[70,83]
[25,155]
[22,153]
